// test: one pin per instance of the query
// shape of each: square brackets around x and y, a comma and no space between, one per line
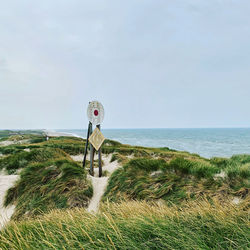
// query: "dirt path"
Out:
[6,182]
[100,184]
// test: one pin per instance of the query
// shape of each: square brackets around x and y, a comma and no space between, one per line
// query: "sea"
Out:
[207,142]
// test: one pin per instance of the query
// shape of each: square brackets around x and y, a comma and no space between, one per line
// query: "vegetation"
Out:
[134,225]
[53,184]
[179,179]
[21,159]
[159,199]
[49,178]
[9,133]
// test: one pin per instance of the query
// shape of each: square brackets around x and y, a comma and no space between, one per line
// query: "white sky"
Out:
[152,63]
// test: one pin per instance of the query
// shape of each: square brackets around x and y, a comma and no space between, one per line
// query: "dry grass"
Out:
[135,225]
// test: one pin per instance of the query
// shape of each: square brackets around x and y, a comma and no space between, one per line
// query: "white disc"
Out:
[95,113]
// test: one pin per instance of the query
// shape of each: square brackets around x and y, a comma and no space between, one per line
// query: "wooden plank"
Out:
[86,147]
[91,169]
[100,156]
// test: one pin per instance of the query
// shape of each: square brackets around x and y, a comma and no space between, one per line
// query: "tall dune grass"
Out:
[60,183]
[134,225]
[179,179]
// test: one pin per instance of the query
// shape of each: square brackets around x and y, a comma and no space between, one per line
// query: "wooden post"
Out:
[100,157]
[91,169]
[86,146]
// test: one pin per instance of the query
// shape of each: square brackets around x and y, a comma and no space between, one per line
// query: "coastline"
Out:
[52,133]
[207,143]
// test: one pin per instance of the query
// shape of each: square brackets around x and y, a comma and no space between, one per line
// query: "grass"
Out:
[237,169]
[134,225]
[178,180]
[45,186]
[8,133]
[21,159]
[49,178]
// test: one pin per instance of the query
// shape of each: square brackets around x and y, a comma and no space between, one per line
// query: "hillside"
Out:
[180,191]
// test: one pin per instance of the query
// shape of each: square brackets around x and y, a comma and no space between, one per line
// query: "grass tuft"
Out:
[48,185]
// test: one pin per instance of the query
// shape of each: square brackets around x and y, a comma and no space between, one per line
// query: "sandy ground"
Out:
[78,157]
[6,182]
[155,173]
[7,143]
[100,184]
[58,134]
[236,200]
[222,175]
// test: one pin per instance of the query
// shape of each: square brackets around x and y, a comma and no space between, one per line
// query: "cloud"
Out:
[152,64]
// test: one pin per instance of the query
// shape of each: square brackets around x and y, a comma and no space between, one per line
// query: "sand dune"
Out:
[6,182]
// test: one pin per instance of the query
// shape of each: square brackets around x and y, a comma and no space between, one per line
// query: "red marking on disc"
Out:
[96,112]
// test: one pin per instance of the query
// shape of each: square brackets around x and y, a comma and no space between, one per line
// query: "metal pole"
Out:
[86,146]
[100,157]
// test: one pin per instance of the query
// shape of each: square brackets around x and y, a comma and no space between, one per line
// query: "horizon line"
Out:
[127,128]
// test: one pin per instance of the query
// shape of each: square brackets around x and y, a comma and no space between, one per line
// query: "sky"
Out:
[151,63]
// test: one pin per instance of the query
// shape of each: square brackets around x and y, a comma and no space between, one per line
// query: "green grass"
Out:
[8,133]
[49,178]
[134,225]
[198,168]
[45,186]
[178,180]
[21,159]
[237,167]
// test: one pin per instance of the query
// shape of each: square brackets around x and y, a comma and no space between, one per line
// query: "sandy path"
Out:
[100,184]
[6,182]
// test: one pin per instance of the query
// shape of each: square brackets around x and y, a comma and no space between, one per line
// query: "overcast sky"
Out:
[151,63]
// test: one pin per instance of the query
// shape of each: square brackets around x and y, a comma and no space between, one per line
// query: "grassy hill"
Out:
[178,180]
[159,198]
[49,178]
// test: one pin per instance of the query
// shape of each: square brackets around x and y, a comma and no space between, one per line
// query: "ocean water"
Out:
[205,142]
